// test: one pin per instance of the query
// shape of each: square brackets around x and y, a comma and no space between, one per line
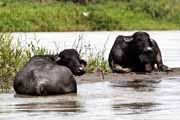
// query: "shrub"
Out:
[98,19]
[157,9]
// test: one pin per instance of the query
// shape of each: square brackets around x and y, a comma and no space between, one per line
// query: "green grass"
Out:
[30,15]
[12,57]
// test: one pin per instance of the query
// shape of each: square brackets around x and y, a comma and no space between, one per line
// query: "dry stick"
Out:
[56,47]
[78,42]
[102,73]
[104,49]
[79,39]
[81,46]
[74,43]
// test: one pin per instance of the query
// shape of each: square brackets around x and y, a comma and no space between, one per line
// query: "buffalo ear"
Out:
[128,39]
[83,62]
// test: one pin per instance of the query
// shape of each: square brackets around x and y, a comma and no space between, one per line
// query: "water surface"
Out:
[116,100]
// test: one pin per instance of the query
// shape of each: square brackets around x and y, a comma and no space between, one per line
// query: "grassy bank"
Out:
[52,15]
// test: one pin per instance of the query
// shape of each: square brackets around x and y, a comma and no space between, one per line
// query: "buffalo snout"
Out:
[71,59]
[148,50]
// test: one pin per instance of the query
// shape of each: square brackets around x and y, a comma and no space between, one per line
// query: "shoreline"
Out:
[153,76]
[68,16]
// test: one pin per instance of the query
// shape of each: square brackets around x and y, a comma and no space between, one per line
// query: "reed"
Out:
[12,57]
[95,58]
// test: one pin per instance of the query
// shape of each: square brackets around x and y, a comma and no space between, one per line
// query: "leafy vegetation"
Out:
[64,15]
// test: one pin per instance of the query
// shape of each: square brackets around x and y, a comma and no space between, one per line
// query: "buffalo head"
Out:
[142,49]
[71,59]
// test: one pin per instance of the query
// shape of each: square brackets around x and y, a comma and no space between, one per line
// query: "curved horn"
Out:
[128,39]
[57,58]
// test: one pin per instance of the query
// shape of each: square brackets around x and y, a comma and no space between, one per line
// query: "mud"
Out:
[154,76]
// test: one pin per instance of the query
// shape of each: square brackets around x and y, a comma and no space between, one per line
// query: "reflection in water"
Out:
[137,84]
[134,108]
[137,88]
[61,106]
[33,106]
[117,100]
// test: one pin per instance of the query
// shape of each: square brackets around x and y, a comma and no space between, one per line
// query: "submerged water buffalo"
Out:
[138,53]
[50,74]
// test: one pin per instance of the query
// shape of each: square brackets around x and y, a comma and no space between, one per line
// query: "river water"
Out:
[100,101]
[105,100]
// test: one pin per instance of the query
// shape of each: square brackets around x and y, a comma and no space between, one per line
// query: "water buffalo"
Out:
[46,75]
[138,53]
[71,59]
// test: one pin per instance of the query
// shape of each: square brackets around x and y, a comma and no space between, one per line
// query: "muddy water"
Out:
[112,99]
[116,100]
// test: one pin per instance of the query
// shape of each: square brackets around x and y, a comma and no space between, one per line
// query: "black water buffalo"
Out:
[138,53]
[71,59]
[46,75]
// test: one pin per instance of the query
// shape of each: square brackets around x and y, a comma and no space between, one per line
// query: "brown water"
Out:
[115,100]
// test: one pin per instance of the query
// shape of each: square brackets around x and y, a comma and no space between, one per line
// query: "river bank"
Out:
[30,15]
[136,78]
